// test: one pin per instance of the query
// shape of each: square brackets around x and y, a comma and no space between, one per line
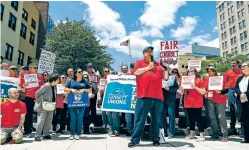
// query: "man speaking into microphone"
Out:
[149,75]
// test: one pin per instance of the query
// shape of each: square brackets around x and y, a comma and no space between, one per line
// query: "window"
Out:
[222,36]
[246,46]
[2,11]
[20,58]
[230,21]
[221,26]
[241,36]
[25,15]
[231,41]
[242,47]
[242,12]
[225,35]
[220,8]
[23,31]
[238,4]
[224,25]
[233,19]
[245,35]
[9,52]
[220,17]
[12,22]
[231,31]
[223,16]
[32,38]
[225,45]
[236,50]
[33,24]
[240,25]
[234,40]
[231,9]
[14,4]
[244,23]
[239,14]
[29,61]
[234,29]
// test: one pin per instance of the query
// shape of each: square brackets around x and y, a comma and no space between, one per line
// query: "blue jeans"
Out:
[76,115]
[143,106]
[114,121]
[128,119]
[104,118]
[168,107]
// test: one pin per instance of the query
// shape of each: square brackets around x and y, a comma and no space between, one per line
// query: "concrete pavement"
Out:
[105,142]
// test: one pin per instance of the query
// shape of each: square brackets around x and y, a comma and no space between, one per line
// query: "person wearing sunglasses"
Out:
[45,77]
[230,77]
[216,105]
[30,100]
[193,102]
[242,91]
[13,71]
[149,75]
[104,113]
[77,86]
[61,110]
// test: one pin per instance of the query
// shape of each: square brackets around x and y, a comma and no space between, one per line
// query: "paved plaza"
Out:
[105,142]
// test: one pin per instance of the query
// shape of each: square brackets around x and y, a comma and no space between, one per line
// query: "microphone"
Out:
[151,58]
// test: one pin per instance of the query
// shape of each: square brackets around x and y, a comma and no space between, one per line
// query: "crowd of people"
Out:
[154,97]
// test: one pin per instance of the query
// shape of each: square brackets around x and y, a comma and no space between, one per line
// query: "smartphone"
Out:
[151,58]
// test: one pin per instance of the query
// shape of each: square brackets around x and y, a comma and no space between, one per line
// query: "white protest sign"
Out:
[60,89]
[93,78]
[4,73]
[169,53]
[194,64]
[187,82]
[46,62]
[102,83]
[215,83]
[170,81]
[31,80]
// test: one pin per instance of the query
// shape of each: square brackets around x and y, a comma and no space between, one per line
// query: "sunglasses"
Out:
[85,77]
[79,71]
[45,75]
[107,71]
[174,72]
[63,77]
[14,69]
[35,67]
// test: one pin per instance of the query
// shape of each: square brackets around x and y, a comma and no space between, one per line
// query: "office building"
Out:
[233,26]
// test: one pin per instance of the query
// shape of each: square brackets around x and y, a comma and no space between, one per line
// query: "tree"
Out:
[75,45]
[223,63]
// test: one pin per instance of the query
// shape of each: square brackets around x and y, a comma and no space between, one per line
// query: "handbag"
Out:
[48,106]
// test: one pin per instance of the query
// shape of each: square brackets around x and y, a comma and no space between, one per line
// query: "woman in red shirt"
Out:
[216,106]
[193,102]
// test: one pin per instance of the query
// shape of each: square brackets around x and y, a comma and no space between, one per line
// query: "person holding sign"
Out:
[77,86]
[45,105]
[242,91]
[216,103]
[30,99]
[193,102]
[149,75]
[13,116]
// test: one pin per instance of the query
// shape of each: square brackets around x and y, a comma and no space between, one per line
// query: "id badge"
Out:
[210,94]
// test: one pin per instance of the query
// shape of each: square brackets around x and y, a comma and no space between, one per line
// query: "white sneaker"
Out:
[201,139]
[71,137]
[76,137]
[91,125]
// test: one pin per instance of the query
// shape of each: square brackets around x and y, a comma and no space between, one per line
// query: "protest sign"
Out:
[77,100]
[120,94]
[170,81]
[46,62]
[215,83]
[4,73]
[194,64]
[93,78]
[60,89]
[169,53]
[6,84]
[31,80]
[187,82]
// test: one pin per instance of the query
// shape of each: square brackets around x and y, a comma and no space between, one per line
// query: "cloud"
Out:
[59,21]
[215,29]
[212,43]
[184,31]
[200,39]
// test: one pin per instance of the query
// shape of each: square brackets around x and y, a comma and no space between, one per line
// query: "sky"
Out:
[144,23]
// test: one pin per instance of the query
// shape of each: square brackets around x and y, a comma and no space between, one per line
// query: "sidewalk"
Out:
[105,142]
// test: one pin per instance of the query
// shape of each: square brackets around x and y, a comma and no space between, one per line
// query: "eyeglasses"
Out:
[63,77]
[244,67]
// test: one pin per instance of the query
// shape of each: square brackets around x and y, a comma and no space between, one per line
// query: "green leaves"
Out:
[75,45]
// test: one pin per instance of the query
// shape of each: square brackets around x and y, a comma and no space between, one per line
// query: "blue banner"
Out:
[6,83]
[120,94]
[77,100]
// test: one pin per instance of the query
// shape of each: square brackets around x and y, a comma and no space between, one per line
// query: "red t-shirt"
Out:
[59,101]
[193,99]
[31,91]
[230,77]
[217,98]
[11,113]
[149,84]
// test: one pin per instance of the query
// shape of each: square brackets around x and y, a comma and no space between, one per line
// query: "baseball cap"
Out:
[146,48]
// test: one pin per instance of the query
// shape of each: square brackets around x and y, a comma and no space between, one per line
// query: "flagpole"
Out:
[129,51]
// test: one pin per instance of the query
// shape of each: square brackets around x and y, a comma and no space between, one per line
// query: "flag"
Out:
[125,43]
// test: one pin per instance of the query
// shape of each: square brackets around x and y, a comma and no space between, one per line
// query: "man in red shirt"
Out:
[149,75]
[13,115]
[30,100]
[230,78]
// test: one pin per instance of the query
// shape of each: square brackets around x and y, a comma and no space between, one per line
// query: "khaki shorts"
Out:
[10,133]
